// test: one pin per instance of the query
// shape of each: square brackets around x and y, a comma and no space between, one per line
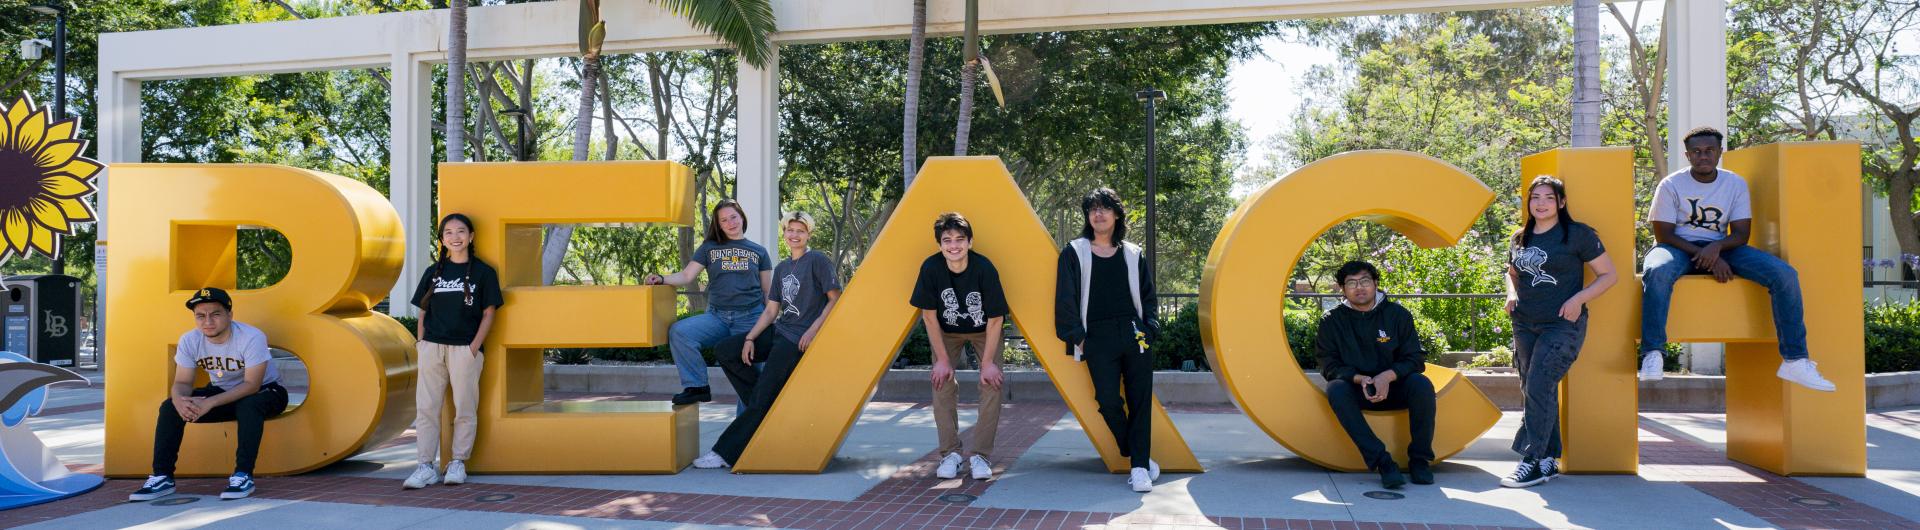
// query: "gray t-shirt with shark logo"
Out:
[1552,269]
[800,286]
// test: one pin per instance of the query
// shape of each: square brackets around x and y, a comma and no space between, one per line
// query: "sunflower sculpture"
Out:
[43,181]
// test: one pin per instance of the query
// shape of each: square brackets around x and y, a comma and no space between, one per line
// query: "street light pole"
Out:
[1149,96]
[59,12]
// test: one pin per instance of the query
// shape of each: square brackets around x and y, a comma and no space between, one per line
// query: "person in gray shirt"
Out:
[1702,217]
[738,273]
[803,293]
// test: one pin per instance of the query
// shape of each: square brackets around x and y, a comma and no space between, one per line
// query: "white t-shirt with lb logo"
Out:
[226,364]
[1701,211]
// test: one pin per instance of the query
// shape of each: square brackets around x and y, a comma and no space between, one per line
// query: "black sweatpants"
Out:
[758,388]
[1117,365]
[1410,392]
[251,412]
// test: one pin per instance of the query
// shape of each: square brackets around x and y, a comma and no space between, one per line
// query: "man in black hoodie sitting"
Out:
[1372,359]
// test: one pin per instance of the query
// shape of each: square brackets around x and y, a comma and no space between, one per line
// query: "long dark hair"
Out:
[1524,236]
[1106,198]
[714,234]
[466,281]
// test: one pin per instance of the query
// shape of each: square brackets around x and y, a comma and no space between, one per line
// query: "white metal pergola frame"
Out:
[410,43]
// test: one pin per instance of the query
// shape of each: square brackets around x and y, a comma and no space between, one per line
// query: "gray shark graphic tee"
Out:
[226,364]
[964,301]
[733,273]
[1552,270]
[1701,212]
[800,286]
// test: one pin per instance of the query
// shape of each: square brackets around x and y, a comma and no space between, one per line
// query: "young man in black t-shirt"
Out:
[961,303]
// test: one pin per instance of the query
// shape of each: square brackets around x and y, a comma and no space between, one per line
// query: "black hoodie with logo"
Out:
[1354,342]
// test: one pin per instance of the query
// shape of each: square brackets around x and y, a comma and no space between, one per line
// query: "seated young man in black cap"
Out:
[243,387]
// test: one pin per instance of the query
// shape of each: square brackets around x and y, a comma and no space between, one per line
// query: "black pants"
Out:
[251,412]
[757,388]
[1542,354]
[1117,365]
[1411,392]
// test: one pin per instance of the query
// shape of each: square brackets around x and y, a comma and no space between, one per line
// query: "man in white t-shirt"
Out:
[1701,218]
[243,387]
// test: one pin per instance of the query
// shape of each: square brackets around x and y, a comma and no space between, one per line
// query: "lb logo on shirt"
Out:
[1383,337]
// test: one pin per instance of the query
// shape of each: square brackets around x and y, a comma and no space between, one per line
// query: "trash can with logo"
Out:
[41,318]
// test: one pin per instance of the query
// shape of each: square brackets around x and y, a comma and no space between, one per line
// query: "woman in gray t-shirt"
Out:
[738,274]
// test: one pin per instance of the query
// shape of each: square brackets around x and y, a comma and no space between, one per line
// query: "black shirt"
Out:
[964,300]
[452,316]
[1111,297]
[1552,271]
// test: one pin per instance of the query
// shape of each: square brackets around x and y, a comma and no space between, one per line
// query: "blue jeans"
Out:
[1665,264]
[688,336]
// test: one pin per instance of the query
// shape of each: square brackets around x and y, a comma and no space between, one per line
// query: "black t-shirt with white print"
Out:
[453,317]
[1552,271]
[963,301]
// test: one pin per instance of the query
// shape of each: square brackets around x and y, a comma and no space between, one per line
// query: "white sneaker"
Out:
[949,466]
[424,475]
[711,460]
[1652,365]
[1804,372]
[456,473]
[982,469]
[1140,481]
[1153,469]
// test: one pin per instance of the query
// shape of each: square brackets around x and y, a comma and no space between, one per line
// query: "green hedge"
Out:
[1893,337]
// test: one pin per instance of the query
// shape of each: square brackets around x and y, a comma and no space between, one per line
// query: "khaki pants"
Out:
[946,400]
[441,366]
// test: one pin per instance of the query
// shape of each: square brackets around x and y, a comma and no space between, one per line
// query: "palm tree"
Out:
[456,81]
[1586,73]
[968,73]
[743,24]
[916,58]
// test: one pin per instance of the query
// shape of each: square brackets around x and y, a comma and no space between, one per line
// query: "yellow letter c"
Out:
[1249,269]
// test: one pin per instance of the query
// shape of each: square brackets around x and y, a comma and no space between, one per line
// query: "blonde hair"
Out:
[797,216]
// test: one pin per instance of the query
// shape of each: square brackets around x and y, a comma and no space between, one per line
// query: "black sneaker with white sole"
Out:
[239,486]
[156,486]
[1527,474]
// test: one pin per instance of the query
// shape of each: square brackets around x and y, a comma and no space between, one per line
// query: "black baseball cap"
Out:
[211,294]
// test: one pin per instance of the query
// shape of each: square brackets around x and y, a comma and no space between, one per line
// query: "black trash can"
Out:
[42,318]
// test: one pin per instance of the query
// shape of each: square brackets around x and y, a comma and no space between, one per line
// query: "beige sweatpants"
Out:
[946,400]
[441,366]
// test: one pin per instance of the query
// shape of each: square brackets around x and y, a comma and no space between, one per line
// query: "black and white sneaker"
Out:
[1550,467]
[239,486]
[157,486]
[1527,474]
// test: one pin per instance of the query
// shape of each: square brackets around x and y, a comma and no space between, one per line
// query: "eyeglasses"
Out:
[1359,284]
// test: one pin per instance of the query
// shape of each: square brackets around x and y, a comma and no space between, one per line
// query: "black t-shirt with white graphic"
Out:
[963,301]
[1552,271]
[801,286]
[461,294]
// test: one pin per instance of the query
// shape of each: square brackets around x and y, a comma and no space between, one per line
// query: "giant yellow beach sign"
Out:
[180,235]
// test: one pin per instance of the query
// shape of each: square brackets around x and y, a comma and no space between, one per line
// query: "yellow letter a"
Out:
[810,420]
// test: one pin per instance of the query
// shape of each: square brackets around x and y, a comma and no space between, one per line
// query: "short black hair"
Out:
[1719,139]
[952,221]
[1103,197]
[1355,267]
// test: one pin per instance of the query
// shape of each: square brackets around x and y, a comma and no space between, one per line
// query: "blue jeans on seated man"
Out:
[1665,264]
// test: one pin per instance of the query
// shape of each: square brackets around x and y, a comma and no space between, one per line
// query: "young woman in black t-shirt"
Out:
[456,299]
[1546,264]
[1105,309]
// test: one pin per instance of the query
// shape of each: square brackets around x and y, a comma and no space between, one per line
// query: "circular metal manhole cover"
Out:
[176,501]
[957,498]
[1384,495]
[1810,501]
[493,497]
